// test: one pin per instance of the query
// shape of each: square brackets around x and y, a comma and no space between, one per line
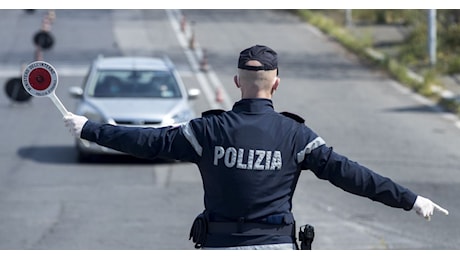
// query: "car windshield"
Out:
[134,84]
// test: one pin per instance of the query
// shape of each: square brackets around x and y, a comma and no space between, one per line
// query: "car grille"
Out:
[137,122]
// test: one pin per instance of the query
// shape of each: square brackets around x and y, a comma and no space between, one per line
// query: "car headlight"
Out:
[96,116]
[180,117]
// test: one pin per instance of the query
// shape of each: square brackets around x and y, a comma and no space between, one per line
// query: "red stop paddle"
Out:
[40,80]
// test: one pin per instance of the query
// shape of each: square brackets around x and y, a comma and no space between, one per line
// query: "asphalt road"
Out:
[49,201]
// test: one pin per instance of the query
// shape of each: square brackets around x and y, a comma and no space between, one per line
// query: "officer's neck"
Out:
[256,94]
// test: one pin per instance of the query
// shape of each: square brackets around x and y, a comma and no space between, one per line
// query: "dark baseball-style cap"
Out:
[265,55]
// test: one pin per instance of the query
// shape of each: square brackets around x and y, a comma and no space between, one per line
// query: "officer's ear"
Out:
[276,84]
[235,79]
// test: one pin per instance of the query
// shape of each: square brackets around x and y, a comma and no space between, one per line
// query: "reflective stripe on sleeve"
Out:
[310,147]
[190,136]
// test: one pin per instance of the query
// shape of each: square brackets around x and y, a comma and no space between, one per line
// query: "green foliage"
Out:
[381,16]
[450,105]
[414,51]
[411,53]
[453,65]
[330,27]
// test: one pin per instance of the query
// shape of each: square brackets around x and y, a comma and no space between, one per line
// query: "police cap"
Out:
[265,55]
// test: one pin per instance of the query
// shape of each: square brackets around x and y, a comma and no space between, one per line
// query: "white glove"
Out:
[425,207]
[75,123]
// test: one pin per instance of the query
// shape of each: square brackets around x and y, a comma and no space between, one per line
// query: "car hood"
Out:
[150,109]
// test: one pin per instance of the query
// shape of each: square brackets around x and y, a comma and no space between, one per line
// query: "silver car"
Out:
[131,91]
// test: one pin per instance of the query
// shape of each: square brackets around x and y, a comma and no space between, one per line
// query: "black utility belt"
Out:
[249,228]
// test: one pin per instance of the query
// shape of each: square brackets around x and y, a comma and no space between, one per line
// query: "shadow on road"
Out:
[67,155]
[417,109]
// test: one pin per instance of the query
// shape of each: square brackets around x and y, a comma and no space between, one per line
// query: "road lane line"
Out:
[209,84]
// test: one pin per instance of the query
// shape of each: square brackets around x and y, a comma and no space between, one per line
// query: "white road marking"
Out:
[209,81]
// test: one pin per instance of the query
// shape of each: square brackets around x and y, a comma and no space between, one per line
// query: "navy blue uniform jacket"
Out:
[250,159]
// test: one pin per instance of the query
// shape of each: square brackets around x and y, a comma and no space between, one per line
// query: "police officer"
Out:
[250,159]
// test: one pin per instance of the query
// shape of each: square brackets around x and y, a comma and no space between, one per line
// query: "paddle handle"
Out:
[58,104]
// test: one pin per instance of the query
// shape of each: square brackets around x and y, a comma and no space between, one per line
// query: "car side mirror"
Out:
[193,93]
[76,92]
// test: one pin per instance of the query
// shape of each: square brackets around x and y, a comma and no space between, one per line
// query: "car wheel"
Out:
[83,157]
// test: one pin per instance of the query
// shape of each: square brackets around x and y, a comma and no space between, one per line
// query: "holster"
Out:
[306,236]
[199,230]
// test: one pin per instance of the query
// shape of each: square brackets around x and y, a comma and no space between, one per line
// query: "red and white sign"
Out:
[39,79]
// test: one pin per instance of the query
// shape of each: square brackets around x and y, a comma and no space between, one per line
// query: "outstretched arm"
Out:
[359,180]
[143,142]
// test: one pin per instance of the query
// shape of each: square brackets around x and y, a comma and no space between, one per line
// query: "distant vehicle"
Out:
[131,91]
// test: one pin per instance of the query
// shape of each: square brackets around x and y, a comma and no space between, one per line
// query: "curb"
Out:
[447,98]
